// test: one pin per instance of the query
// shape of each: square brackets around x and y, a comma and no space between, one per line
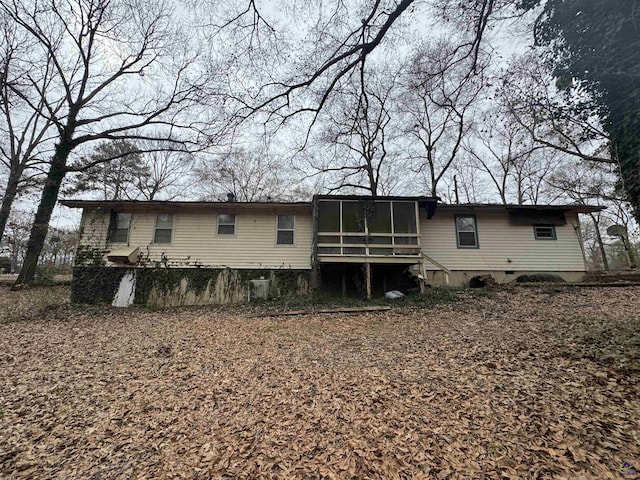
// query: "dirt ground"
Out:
[521,383]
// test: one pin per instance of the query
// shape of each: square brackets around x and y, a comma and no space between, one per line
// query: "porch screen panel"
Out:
[329,216]
[404,217]
[380,218]
[352,217]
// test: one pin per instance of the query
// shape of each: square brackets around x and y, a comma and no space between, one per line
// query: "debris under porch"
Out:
[366,280]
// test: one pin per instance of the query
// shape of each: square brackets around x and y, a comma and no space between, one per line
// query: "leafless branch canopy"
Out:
[341,53]
[114,69]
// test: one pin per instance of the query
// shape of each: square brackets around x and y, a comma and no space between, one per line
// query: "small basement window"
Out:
[286,224]
[466,231]
[119,229]
[164,228]
[226,224]
[544,232]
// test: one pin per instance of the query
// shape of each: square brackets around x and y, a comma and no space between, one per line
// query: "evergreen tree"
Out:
[116,168]
[598,43]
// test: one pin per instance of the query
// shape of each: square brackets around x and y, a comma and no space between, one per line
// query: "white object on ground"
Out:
[393,295]
[126,291]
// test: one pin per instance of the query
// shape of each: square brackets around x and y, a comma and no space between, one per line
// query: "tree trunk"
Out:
[41,221]
[7,201]
[603,252]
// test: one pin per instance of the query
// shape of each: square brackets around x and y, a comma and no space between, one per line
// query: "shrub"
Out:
[5,264]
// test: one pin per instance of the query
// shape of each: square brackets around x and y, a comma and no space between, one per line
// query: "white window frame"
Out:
[292,230]
[155,229]
[475,230]
[113,230]
[234,224]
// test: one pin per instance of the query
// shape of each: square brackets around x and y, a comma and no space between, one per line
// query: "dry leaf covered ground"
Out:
[523,383]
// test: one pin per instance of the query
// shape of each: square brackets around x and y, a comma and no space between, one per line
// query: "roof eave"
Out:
[134,205]
[489,208]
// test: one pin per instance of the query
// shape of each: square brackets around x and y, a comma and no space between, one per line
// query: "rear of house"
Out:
[191,252]
[178,253]
[503,241]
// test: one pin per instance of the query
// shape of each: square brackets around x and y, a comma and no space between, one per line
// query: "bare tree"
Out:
[17,235]
[359,131]
[168,172]
[24,133]
[342,36]
[588,183]
[305,65]
[248,176]
[437,107]
[518,168]
[122,69]
[496,148]
[60,246]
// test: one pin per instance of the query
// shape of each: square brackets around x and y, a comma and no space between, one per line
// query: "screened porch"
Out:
[380,231]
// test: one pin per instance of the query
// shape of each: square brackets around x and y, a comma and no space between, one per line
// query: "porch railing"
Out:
[368,244]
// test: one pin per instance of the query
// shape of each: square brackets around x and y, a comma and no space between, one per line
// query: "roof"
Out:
[155,205]
[380,198]
[499,207]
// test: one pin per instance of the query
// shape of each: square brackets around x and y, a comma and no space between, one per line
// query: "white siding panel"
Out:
[196,242]
[502,246]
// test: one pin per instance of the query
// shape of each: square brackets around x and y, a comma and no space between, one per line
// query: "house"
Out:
[179,253]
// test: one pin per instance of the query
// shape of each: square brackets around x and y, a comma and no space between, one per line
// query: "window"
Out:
[285,229]
[226,224]
[119,227]
[164,227]
[544,232]
[466,231]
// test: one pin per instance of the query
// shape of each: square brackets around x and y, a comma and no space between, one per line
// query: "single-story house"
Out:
[178,253]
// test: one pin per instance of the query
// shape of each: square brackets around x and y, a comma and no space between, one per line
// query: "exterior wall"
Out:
[502,247]
[93,227]
[195,241]
[505,250]
[462,278]
[164,287]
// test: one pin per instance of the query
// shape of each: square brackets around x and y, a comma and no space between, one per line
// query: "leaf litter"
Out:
[524,383]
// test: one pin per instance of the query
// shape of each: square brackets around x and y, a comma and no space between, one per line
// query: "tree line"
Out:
[129,99]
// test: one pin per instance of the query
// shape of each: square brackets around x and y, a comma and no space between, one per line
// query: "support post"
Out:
[423,274]
[367,268]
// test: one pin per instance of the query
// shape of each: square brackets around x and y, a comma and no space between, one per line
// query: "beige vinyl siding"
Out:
[194,240]
[499,242]
[94,226]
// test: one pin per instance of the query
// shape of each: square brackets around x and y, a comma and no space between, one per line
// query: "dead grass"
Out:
[526,383]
